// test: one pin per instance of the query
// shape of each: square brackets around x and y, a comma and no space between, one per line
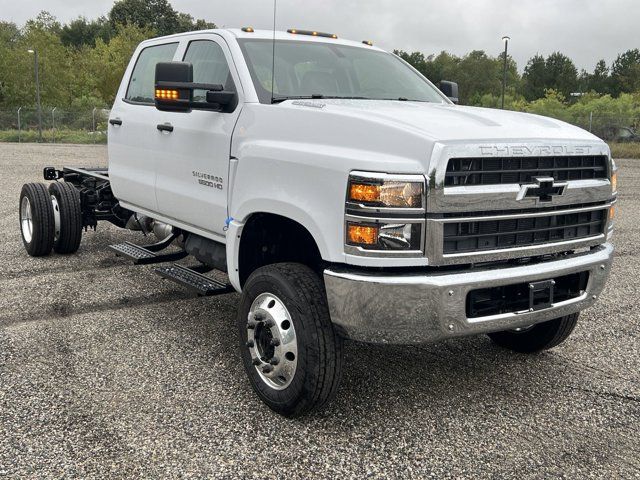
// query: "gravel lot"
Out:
[108,371]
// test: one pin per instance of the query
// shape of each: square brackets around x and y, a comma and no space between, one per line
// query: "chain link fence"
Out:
[611,127]
[59,125]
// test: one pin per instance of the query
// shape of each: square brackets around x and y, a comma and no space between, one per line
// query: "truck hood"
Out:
[448,123]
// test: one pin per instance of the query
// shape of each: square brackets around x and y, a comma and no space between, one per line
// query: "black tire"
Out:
[36,219]
[542,336]
[319,347]
[68,200]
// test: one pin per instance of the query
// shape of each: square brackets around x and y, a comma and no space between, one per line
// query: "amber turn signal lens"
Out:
[360,192]
[163,94]
[612,212]
[614,182]
[362,235]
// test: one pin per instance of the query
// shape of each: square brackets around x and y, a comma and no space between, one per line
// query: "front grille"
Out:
[482,235]
[485,302]
[501,170]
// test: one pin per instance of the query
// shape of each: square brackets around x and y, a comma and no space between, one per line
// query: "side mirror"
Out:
[174,88]
[450,89]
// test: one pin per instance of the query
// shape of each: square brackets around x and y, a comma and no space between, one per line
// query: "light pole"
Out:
[19,126]
[39,106]
[505,39]
[53,124]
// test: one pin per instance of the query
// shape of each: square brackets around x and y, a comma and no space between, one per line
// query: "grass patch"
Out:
[49,136]
[625,150]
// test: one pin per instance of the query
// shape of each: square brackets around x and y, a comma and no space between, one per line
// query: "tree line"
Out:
[479,75]
[82,62]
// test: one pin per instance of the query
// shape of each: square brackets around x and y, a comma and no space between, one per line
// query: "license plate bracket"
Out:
[541,295]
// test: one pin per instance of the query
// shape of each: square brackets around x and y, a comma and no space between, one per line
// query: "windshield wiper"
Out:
[316,96]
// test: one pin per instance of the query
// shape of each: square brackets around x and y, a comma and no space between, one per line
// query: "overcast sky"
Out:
[585,30]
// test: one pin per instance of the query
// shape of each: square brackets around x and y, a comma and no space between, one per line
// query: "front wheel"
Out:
[290,349]
[536,338]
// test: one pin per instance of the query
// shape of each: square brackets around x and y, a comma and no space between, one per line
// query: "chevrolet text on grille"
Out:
[524,150]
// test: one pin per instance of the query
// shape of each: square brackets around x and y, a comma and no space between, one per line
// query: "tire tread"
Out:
[70,217]
[42,218]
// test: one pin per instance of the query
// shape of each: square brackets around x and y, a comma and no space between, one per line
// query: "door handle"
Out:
[115,121]
[165,127]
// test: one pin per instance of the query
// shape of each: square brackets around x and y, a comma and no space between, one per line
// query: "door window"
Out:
[209,66]
[142,82]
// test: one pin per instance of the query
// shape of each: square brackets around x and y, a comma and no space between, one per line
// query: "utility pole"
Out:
[505,39]
[19,126]
[39,106]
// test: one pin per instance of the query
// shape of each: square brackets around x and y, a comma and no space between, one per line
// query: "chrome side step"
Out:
[145,255]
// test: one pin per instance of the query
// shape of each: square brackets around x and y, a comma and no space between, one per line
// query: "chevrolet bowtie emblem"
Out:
[544,188]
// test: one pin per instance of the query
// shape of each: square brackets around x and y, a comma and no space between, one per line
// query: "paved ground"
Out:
[107,371]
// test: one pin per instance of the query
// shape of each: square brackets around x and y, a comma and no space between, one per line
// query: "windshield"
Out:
[322,70]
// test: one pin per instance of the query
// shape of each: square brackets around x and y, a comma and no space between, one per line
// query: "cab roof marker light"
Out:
[312,33]
[248,29]
[368,42]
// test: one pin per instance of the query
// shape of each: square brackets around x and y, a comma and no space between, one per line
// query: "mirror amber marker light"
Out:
[167,94]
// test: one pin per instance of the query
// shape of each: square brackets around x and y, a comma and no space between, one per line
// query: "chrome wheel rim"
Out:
[272,341]
[26,220]
[56,218]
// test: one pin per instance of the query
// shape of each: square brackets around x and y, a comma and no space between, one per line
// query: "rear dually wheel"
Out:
[37,221]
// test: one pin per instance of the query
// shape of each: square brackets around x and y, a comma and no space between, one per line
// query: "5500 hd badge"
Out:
[208,180]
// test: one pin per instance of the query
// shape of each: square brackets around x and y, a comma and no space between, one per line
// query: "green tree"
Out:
[81,32]
[551,105]
[625,72]
[106,63]
[561,74]
[478,74]
[55,65]
[599,81]
[156,15]
[534,79]
[186,23]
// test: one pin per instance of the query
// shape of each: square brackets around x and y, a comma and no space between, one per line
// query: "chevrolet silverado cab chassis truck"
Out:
[345,197]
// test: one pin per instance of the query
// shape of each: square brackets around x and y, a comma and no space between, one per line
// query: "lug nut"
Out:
[267,369]
[269,323]
[250,344]
[274,342]
[251,325]
[274,361]
[259,316]
[256,361]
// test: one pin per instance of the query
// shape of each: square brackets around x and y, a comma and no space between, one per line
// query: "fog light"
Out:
[385,236]
[362,234]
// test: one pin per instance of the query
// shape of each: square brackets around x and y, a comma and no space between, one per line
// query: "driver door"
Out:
[191,181]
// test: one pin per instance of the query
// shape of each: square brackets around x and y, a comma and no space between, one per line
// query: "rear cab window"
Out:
[142,82]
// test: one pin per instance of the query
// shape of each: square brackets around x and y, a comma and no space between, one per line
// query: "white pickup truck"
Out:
[345,197]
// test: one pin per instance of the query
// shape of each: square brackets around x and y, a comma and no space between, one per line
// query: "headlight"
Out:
[385,236]
[386,191]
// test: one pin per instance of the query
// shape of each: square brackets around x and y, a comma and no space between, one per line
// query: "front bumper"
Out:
[421,308]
